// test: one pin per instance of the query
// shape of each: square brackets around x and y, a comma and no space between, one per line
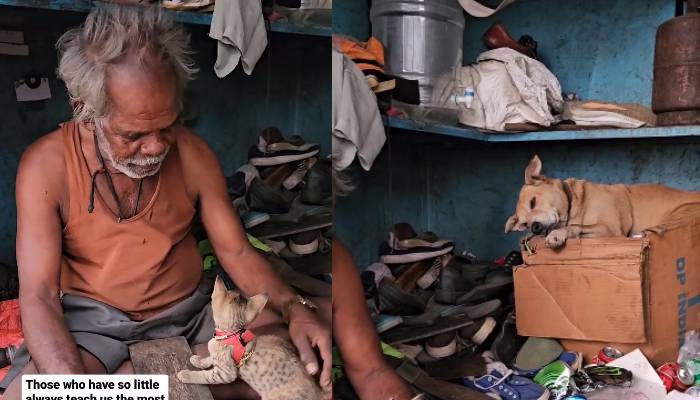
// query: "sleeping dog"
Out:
[574,208]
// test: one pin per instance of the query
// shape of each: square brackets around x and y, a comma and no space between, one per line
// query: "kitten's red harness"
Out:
[238,340]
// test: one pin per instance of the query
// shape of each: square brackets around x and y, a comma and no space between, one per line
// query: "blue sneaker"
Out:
[509,387]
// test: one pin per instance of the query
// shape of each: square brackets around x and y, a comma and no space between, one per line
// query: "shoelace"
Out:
[498,382]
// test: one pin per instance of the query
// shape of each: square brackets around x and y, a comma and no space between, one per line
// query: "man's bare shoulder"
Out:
[199,163]
[43,161]
[194,151]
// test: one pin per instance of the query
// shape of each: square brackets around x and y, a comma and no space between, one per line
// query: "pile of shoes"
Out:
[284,197]
[450,315]
[452,319]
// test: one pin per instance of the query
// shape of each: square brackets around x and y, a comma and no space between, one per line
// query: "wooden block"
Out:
[168,356]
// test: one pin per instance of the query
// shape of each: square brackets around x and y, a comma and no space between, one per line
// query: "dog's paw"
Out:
[555,239]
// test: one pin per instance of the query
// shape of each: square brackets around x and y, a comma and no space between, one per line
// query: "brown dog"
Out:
[573,208]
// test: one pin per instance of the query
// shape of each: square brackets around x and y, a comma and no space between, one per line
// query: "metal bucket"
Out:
[676,94]
[422,38]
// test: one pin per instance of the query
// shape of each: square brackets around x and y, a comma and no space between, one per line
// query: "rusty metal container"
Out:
[676,92]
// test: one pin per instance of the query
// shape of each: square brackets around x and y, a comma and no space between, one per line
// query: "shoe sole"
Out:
[485,290]
[406,333]
[256,221]
[381,328]
[414,257]
[442,351]
[408,244]
[277,160]
[484,309]
[303,249]
[483,333]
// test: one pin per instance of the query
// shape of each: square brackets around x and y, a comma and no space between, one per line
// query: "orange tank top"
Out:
[141,265]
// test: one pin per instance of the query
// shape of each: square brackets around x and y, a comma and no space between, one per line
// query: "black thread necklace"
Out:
[110,183]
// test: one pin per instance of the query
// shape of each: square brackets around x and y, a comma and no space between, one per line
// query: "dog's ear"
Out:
[533,172]
[255,306]
[512,225]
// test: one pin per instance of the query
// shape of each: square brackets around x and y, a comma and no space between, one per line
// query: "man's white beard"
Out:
[133,167]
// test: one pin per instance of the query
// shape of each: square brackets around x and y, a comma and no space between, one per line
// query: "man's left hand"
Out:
[307,332]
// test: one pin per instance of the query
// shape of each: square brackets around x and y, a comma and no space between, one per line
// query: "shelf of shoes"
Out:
[186,17]
[588,134]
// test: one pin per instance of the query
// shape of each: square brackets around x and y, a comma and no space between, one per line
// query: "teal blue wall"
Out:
[351,17]
[465,190]
[600,49]
[231,111]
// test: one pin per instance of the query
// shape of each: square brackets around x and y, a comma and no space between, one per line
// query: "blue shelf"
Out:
[181,16]
[594,134]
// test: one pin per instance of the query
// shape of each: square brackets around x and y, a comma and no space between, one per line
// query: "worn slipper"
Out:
[507,344]
[465,363]
[405,333]
[494,286]
[394,300]
[433,311]
[537,353]
[389,255]
[434,387]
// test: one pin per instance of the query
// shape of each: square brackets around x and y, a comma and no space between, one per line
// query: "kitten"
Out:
[267,363]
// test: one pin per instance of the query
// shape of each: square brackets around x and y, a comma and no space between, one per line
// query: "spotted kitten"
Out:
[267,363]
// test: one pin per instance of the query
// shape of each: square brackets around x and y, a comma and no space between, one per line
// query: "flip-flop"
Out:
[465,363]
[433,311]
[494,285]
[402,256]
[405,334]
[434,387]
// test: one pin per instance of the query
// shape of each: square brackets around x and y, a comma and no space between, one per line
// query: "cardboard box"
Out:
[625,292]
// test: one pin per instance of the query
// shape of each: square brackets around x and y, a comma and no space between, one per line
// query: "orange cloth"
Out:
[141,265]
[10,328]
[371,51]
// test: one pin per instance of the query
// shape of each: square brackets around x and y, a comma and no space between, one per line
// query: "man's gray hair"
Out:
[108,35]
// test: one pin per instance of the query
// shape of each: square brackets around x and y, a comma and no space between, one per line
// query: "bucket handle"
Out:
[476,9]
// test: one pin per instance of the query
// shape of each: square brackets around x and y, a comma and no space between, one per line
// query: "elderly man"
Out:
[105,205]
